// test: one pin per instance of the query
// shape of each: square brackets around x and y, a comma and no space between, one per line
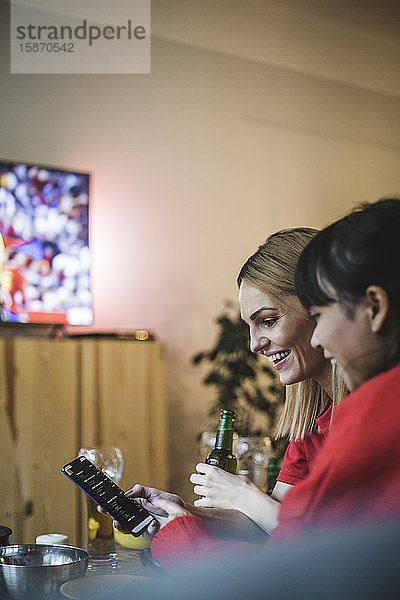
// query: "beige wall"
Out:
[256,116]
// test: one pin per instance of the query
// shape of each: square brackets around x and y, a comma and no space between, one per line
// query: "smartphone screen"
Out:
[102,490]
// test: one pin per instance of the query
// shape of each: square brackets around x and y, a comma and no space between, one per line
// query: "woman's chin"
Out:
[288,380]
[289,377]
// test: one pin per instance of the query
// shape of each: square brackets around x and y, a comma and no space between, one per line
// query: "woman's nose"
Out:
[314,339]
[257,342]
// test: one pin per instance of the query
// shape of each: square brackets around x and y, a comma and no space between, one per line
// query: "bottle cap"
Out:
[52,538]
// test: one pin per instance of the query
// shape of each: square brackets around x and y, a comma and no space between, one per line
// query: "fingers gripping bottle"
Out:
[222,454]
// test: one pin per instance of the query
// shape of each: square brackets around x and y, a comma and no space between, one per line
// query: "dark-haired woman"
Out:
[348,278]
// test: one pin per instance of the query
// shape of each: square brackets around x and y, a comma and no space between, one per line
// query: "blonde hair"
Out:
[272,270]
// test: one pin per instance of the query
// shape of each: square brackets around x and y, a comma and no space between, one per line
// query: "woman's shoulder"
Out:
[384,387]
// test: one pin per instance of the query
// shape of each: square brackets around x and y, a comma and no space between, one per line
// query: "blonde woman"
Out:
[281,330]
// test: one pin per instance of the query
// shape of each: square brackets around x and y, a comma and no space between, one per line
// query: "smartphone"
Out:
[102,490]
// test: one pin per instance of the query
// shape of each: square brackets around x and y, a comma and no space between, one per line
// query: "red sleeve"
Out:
[187,538]
[300,455]
[295,463]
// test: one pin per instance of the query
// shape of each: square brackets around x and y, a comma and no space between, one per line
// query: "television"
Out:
[44,222]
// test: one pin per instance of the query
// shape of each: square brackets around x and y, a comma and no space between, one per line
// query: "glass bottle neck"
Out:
[224,438]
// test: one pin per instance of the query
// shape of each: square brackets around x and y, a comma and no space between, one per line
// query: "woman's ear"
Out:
[378,305]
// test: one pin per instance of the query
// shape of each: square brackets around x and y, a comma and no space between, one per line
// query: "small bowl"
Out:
[33,571]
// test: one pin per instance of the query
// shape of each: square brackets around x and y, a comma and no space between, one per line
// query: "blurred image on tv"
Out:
[44,221]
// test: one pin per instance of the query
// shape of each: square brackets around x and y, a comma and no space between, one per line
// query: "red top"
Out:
[185,538]
[300,454]
[355,477]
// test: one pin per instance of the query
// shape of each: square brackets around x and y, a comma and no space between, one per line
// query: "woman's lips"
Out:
[279,358]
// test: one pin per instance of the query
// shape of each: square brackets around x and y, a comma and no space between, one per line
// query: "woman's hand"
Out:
[219,489]
[170,511]
[149,498]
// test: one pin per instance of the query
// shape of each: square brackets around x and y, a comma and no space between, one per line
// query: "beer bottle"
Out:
[222,454]
[273,472]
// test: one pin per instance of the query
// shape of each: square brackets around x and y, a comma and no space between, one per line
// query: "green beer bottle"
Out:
[273,472]
[222,454]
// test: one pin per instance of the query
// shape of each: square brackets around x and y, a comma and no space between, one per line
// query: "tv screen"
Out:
[44,221]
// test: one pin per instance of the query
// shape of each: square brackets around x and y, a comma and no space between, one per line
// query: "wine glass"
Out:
[100,533]
[106,458]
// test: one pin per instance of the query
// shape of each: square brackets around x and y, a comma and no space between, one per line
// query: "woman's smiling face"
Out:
[358,341]
[281,332]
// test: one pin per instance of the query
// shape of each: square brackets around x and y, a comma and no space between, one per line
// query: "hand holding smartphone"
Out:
[107,494]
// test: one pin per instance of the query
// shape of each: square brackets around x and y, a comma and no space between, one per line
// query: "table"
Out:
[122,561]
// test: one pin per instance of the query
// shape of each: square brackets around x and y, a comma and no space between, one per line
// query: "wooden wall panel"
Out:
[90,407]
[128,408]
[57,396]
[159,423]
[43,396]
[12,505]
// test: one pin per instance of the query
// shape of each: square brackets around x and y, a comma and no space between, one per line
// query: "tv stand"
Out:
[58,395]
[32,330]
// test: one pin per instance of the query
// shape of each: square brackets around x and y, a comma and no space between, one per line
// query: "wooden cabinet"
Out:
[57,396]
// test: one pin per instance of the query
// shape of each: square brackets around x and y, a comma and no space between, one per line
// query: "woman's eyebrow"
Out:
[255,314]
